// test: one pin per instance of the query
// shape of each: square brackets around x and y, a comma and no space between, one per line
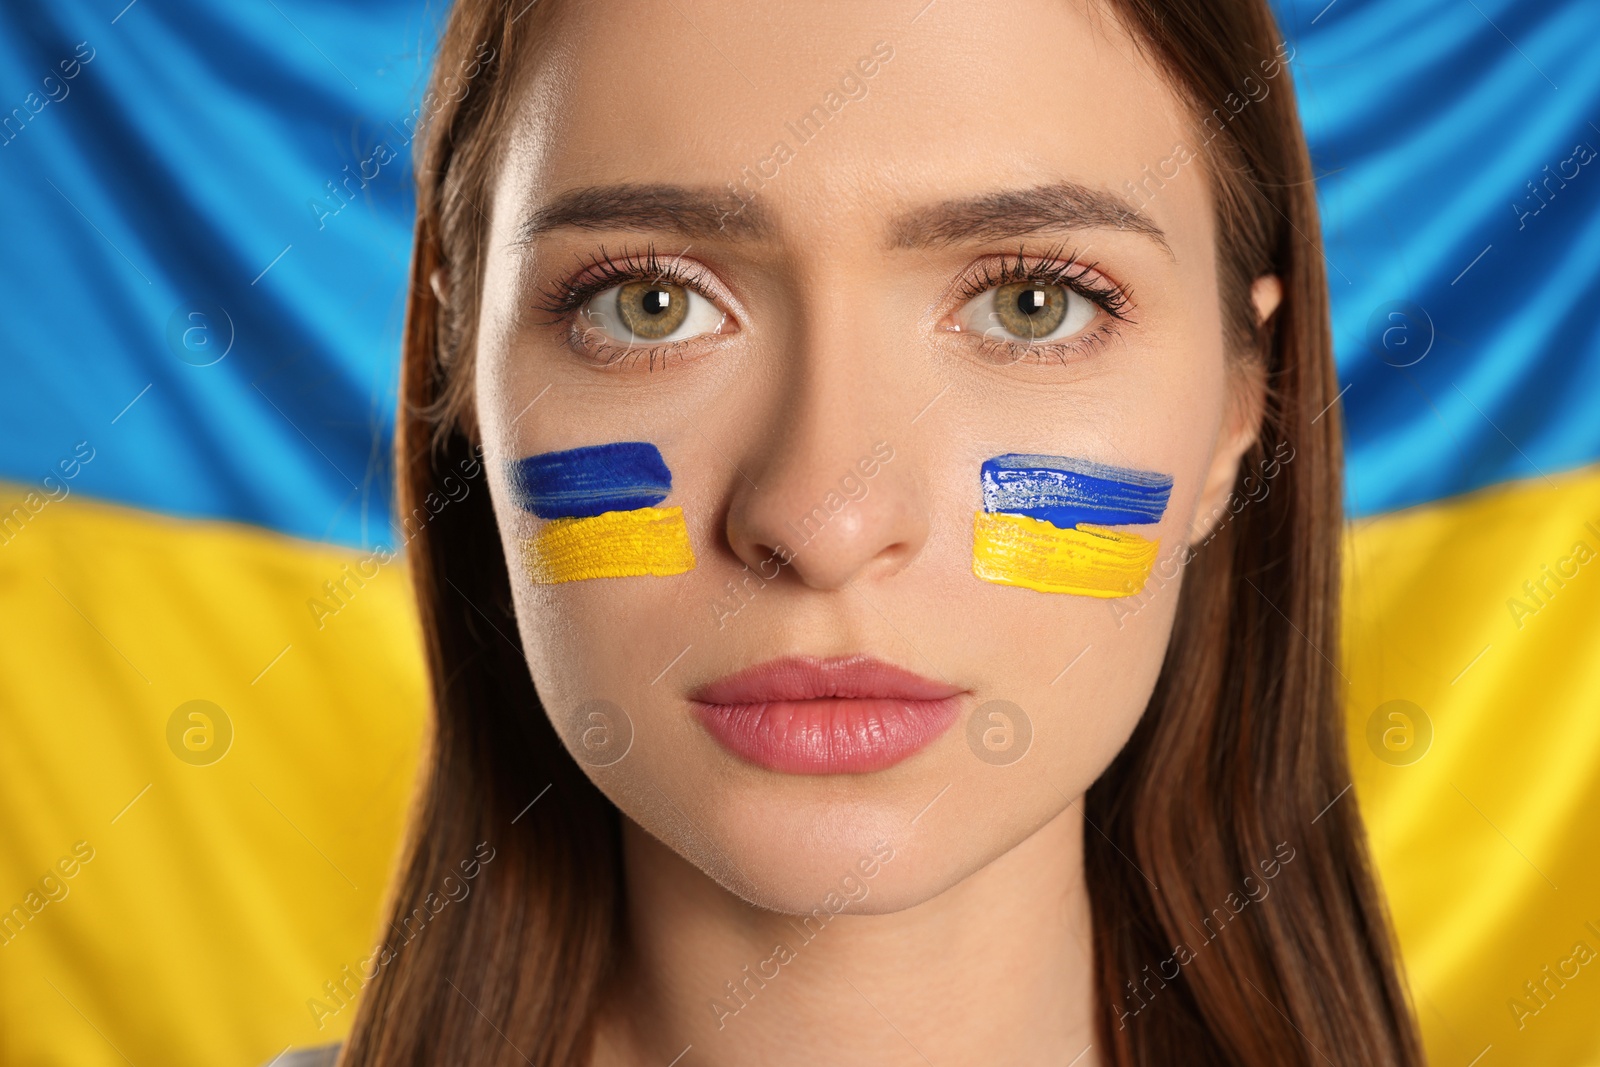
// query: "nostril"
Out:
[773,559]
[829,516]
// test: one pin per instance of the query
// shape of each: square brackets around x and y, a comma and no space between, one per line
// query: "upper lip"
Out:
[858,677]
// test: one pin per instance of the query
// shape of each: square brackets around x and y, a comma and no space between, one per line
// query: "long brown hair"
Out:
[1234,784]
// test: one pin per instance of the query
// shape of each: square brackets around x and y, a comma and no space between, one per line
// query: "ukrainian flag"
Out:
[210,684]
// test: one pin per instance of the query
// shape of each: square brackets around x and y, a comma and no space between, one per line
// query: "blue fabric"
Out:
[177,167]
[1427,120]
[179,173]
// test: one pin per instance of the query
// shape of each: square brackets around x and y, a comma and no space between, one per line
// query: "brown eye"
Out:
[1030,310]
[1026,312]
[652,310]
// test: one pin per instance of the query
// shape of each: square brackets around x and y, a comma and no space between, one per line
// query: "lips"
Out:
[841,715]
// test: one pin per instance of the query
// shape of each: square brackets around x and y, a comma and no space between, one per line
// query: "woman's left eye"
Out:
[1027,312]
[650,313]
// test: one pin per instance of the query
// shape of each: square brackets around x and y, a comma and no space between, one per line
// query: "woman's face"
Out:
[828,259]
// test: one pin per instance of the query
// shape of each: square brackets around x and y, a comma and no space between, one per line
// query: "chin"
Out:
[860,844]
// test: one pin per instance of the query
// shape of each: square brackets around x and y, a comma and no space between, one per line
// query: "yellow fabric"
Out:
[217,905]
[1488,845]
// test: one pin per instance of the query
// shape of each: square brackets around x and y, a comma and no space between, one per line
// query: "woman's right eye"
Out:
[650,313]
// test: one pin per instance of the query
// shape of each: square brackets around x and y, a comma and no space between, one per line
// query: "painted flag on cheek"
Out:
[1046,525]
[602,520]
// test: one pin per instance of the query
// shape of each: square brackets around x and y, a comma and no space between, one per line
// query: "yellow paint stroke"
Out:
[616,544]
[1088,561]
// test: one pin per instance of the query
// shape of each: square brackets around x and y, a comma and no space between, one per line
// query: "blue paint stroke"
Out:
[584,482]
[1064,491]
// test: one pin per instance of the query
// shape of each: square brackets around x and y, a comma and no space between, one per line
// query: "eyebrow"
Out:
[689,212]
[1018,213]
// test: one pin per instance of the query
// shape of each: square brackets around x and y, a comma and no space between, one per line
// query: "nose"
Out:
[832,496]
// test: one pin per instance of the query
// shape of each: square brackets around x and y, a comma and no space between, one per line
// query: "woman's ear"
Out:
[1241,424]
[440,284]
[1266,293]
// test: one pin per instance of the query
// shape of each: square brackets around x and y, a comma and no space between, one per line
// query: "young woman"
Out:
[875,476]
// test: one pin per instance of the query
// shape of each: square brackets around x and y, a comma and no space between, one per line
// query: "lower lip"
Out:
[828,735]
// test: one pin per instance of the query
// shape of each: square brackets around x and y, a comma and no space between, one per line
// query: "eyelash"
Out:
[1056,266]
[564,298]
[600,272]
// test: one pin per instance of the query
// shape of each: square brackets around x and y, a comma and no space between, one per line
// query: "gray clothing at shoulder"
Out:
[322,1056]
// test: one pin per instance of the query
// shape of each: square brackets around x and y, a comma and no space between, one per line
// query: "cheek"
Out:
[594,648]
[605,548]
[1080,561]
[1079,670]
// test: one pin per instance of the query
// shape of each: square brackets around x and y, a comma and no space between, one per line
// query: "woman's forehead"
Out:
[847,117]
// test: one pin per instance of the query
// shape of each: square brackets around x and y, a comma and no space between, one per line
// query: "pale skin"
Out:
[835,286]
